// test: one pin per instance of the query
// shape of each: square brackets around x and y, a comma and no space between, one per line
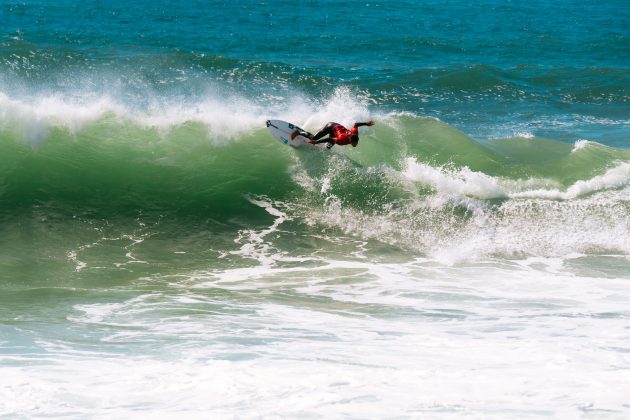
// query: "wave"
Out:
[454,214]
[414,182]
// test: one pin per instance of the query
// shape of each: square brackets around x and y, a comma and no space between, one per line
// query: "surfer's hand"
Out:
[370,123]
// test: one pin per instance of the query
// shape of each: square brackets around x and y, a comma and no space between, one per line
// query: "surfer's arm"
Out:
[361,124]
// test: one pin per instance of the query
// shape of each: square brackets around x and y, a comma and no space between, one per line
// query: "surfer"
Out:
[337,134]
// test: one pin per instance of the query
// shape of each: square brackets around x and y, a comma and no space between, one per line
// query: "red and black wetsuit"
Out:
[341,135]
[338,134]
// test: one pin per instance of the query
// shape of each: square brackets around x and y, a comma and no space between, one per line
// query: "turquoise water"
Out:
[161,254]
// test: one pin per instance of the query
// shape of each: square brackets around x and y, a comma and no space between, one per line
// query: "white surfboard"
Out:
[282,130]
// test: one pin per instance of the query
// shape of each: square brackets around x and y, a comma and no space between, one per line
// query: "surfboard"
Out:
[282,131]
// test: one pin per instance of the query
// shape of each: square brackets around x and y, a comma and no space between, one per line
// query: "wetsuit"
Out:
[338,134]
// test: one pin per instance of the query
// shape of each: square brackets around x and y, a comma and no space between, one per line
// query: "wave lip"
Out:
[34,119]
[616,177]
[465,182]
[457,182]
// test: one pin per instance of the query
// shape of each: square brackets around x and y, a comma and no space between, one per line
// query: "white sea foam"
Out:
[616,177]
[532,217]
[457,182]
[34,118]
[524,135]
[345,337]
[343,106]
[227,116]
[579,145]
[464,182]
[253,243]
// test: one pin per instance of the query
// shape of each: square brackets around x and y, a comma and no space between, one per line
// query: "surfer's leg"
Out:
[302,133]
[324,131]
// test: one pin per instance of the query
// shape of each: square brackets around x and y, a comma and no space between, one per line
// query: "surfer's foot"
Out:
[295,134]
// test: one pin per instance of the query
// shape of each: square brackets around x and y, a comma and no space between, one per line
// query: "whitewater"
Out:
[162,255]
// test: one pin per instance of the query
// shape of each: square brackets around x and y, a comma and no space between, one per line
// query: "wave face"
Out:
[414,182]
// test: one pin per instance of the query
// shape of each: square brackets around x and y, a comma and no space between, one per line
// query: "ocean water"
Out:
[162,256]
